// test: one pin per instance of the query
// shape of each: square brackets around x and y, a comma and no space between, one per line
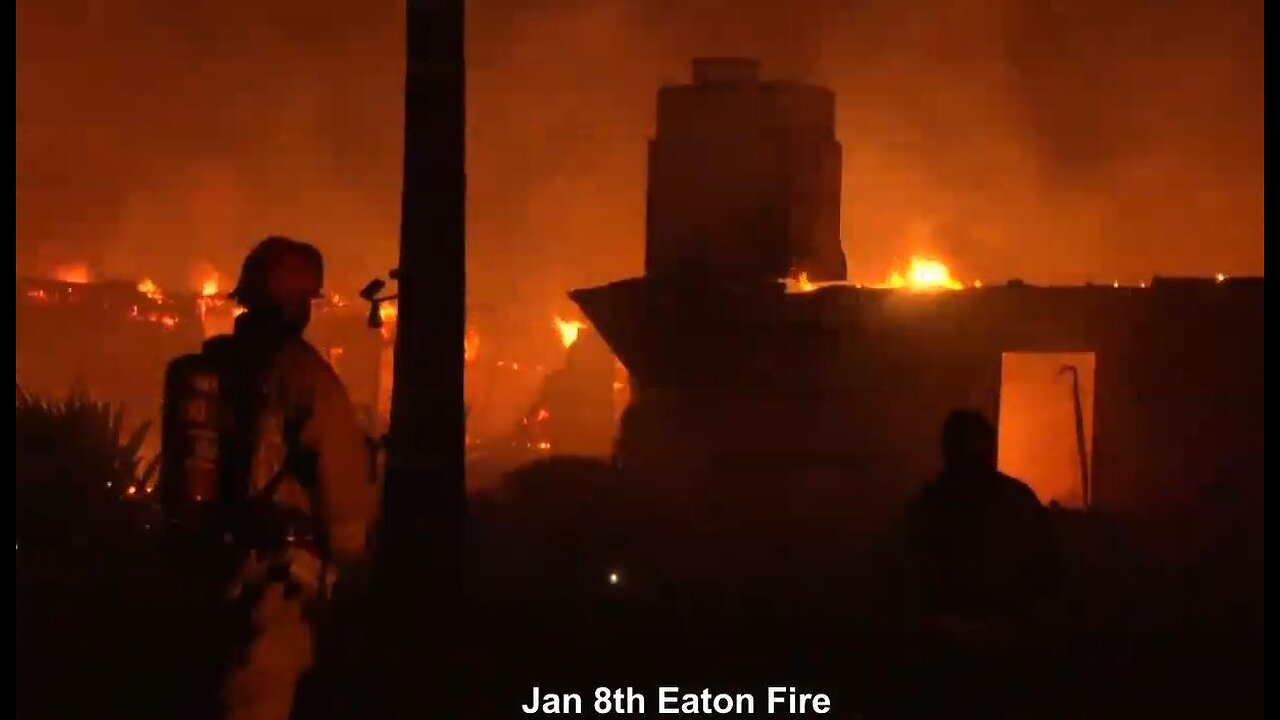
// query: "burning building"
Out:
[575,408]
[111,339]
[841,390]
[114,338]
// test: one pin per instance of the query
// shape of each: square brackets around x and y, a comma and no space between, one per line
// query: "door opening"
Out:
[1046,423]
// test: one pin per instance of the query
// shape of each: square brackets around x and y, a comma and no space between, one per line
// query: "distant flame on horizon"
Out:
[73,273]
[922,275]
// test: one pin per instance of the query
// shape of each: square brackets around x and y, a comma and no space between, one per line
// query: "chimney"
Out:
[726,71]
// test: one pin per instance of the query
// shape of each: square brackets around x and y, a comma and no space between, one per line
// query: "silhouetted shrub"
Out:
[83,490]
[89,576]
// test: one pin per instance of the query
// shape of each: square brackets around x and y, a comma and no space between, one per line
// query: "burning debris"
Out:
[801,283]
[209,287]
[568,330]
[923,275]
[148,288]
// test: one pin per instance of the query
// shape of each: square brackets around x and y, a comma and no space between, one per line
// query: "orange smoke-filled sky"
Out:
[1056,141]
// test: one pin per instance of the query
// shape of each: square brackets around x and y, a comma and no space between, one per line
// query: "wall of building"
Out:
[848,387]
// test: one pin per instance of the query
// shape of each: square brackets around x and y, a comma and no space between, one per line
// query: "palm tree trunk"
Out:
[425,445]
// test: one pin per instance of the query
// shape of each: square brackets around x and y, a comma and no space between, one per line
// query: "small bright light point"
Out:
[1115,284]
[614,578]
[1220,277]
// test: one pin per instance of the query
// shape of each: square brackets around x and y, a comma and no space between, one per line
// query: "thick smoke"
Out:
[1054,141]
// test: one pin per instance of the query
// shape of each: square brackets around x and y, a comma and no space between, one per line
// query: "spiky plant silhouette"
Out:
[90,580]
[76,465]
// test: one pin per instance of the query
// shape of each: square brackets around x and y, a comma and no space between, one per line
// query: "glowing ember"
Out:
[542,415]
[569,330]
[923,275]
[73,273]
[1220,277]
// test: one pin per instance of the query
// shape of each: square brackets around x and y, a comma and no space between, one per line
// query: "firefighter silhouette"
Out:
[979,540]
[288,489]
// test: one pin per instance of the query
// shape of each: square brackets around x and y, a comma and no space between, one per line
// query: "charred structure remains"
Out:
[744,178]
[845,388]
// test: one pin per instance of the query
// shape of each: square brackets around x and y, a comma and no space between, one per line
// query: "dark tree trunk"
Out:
[425,480]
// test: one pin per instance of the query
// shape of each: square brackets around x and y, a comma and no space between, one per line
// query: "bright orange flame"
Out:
[542,415]
[209,286]
[73,273]
[148,288]
[388,311]
[569,330]
[923,275]
[799,282]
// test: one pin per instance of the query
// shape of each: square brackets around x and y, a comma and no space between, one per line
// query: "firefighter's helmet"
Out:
[279,271]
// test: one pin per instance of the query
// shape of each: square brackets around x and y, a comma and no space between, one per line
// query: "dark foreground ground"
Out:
[730,592]
[421,644]
[482,661]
